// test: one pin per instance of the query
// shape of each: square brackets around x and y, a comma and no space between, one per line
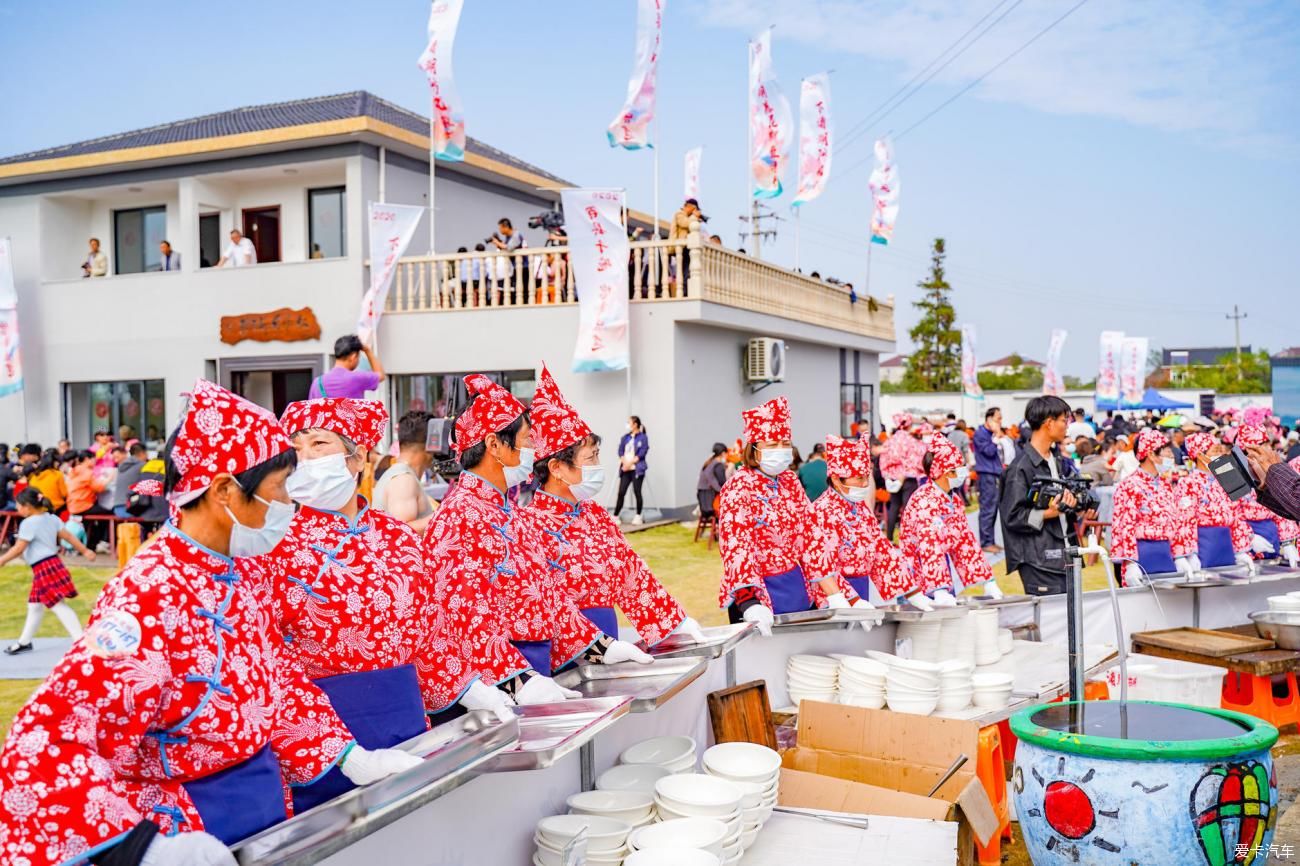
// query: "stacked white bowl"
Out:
[634,807]
[992,690]
[812,678]
[1006,641]
[986,636]
[1289,603]
[912,686]
[674,754]
[704,834]
[671,857]
[862,682]
[955,688]
[957,637]
[606,839]
[927,644]
[756,770]
[631,777]
[699,795]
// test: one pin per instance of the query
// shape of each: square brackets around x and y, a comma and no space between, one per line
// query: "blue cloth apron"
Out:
[862,585]
[381,708]
[537,653]
[240,801]
[604,619]
[1214,546]
[1267,529]
[788,591]
[1156,556]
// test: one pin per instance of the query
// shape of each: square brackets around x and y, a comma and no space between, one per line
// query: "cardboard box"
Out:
[877,762]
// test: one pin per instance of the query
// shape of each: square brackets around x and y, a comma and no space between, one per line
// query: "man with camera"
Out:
[1038,500]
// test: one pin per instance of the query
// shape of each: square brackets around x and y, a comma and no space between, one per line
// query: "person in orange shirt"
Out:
[84,488]
[48,478]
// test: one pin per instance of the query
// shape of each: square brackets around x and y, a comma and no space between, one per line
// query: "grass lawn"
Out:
[691,572]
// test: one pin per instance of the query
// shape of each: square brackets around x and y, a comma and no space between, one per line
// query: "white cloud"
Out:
[1224,70]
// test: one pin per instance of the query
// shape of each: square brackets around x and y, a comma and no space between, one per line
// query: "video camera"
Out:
[547,219]
[1046,488]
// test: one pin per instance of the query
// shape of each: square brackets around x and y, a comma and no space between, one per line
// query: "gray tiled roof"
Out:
[256,118]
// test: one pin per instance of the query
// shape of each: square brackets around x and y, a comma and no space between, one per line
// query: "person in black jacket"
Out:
[1035,538]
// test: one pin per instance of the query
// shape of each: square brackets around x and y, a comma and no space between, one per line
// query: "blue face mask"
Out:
[245,541]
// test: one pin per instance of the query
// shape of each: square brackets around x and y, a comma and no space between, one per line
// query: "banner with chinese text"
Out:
[391,228]
[970,383]
[11,365]
[598,253]
[446,110]
[631,129]
[1132,371]
[1111,343]
[694,157]
[1053,383]
[883,184]
[769,120]
[814,137]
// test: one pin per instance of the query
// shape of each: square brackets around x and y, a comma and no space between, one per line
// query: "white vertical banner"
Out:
[883,184]
[970,382]
[11,365]
[631,129]
[694,157]
[598,255]
[769,120]
[1132,371]
[391,228]
[447,113]
[1109,348]
[1053,383]
[814,137]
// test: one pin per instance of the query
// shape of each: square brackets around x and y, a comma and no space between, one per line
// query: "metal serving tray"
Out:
[720,641]
[801,617]
[908,613]
[453,754]
[975,602]
[649,686]
[549,732]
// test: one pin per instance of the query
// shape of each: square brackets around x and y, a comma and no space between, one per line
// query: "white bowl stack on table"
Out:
[699,795]
[862,682]
[703,834]
[632,777]
[755,771]
[912,686]
[957,638]
[636,808]
[606,839]
[1289,603]
[674,754]
[986,636]
[992,690]
[812,678]
[955,686]
[926,637]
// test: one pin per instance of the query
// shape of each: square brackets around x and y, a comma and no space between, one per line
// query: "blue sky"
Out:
[1135,169]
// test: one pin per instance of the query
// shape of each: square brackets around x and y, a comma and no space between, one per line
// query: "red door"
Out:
[262,227]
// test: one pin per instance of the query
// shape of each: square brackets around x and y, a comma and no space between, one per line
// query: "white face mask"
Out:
[593,479]
[1165,466]
[774,461]
[323,483]
[246,541]
[963,475]
[857,494]
[516,475]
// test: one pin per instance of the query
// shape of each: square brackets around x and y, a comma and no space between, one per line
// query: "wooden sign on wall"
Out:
[284,324]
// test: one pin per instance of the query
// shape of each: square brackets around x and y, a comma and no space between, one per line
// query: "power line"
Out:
[881,111]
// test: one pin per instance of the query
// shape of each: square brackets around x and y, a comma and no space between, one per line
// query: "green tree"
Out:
[1253,376]
[936,363]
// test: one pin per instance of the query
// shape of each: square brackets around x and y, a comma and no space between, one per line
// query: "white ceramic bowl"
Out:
[991,699]
[752,793]
[703,833]
[950,702]
[991,681]
[668,812]
[603,834]
[672,857]
[863,666]
[698,794]
[915,706]
[1284,602]
[886,659]
[630,806]
[659,750]
[799,684]
[749,834]
[822,663]
[743,762]
[874,702]
[631,777]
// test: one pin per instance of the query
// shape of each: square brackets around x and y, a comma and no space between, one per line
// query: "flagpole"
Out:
[749,124]
[433,166]
[797,211]
[867,287]
[654,132]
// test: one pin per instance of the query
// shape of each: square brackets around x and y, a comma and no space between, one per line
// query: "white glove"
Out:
[365,766]
[992,590]
[943,598]
[692,630]
[480,696]
[543,690]
[187,849]
[1134,575]
[837,601]
[622,651]
[760,616]
[920,602]
[1260,544]
[861,603]
[1244,559]
[1289,554]
[1195,560]
[1182,565]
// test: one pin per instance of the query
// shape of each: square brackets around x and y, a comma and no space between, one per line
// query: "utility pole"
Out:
[757,232]
[1236,325]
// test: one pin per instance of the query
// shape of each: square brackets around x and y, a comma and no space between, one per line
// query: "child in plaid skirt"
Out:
[38,544]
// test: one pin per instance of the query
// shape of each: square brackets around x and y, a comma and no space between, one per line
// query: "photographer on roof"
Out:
[1034,531]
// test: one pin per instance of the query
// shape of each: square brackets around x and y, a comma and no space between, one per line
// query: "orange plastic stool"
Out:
[992,774]
[1260,697]
[128,542]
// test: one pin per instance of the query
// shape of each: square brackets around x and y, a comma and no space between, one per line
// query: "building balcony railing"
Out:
[658,271]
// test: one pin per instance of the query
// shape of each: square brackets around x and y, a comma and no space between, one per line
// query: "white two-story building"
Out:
[295,177]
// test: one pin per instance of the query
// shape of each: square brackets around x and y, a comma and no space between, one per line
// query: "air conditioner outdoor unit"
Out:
[765,360]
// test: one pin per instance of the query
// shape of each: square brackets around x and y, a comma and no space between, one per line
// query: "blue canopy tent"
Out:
[1151,399]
